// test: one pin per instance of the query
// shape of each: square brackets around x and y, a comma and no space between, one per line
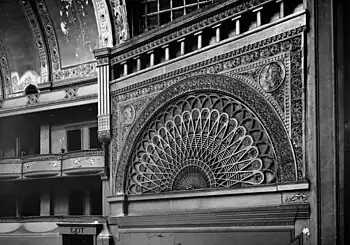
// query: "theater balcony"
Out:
[88,162]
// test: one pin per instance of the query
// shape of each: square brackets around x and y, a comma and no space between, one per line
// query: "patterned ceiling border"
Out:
[240,55]
[103,23]
[50,35]
[86,70]
[120,25]
[5,71]
[188,28]
[39,39]
[287,169]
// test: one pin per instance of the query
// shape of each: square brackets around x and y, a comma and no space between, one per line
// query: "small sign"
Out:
[76,230]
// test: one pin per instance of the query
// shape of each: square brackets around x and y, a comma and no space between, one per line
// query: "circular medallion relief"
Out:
[272,76]
[128,114]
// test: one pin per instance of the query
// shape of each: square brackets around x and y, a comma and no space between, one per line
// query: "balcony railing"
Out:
[198,30]
[52,165]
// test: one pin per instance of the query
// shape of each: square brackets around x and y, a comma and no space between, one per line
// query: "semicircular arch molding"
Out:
[208,131]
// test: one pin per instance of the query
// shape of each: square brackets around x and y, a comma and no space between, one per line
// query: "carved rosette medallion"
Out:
[128,114]
[272,76]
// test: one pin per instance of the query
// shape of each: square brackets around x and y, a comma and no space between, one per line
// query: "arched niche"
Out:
[208,131]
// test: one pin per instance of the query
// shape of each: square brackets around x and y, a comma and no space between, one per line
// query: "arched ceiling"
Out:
[48,41]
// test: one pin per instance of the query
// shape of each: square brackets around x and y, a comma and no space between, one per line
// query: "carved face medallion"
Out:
[272,76]
[128,114]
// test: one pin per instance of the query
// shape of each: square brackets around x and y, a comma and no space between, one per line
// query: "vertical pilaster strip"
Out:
[103,77]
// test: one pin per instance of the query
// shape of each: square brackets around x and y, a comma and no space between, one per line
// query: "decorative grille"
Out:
[201,141]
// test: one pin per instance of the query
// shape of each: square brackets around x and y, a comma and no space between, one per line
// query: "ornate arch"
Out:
[227,135]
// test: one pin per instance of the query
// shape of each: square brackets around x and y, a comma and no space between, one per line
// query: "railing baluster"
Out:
[182,46]
[166,51]
[199,39]
[217,32]
[151,57]
[281,2]
[258,16]
[237,19]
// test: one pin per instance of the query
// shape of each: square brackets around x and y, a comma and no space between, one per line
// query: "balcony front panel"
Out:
[10,169]
[83,162]
[41,166]
[53,165]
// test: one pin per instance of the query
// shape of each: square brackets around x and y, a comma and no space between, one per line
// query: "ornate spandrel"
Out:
[271,161]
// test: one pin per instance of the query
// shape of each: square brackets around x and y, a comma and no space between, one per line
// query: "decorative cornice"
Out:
[183,28]
[254,216]
[198,68]
[39,40]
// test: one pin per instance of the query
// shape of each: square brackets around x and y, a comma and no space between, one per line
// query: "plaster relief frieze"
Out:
[40,43]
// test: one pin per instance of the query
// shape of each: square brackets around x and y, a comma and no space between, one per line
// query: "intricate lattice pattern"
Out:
[201,141]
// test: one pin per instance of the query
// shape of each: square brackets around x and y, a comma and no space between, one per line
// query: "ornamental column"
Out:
[104,116]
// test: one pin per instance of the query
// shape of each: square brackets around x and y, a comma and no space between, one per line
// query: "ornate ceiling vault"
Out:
[52,40]
[208,131]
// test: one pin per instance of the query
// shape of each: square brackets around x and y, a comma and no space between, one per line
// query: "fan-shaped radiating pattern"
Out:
[204,141]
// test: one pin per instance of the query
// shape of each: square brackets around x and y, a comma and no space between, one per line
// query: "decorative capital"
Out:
[102,53]
[104,136]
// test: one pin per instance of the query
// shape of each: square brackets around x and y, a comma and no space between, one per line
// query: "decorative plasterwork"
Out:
[71,92]
[32,99]
[235,8]
[202,140]
[287,170]
[103,23]
[50,35]
[120,21]
[244,64]
[245,55]
[5,72]
[58,73]
[39,40]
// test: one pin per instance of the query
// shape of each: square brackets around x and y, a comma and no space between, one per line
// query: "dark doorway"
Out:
[78,240]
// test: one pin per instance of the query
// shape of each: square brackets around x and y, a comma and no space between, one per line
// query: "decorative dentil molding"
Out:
[39,40]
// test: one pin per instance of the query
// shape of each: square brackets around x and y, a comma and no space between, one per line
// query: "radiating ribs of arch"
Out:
[201,140]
